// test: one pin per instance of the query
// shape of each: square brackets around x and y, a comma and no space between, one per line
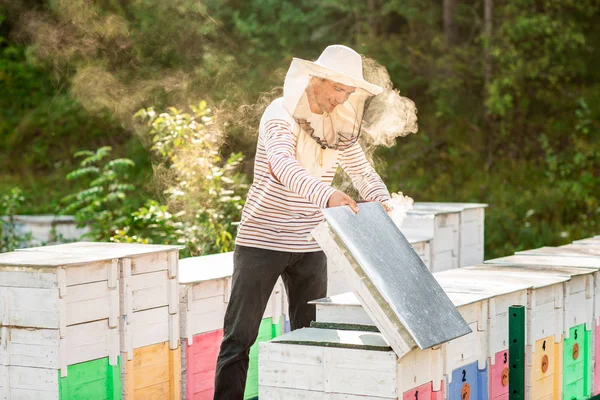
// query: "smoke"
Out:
[400,204]
[388,115]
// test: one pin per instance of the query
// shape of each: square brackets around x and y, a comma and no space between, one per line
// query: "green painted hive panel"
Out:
[95,379]
[267,331]
[576,364]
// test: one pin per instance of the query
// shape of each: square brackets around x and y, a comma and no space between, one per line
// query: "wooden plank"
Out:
[33,379]
[157,391]
[28,347]
[91,272]
[89,302]
[28,277]
[147,327]
[154,371]
[565,261]
[29,307]
[46,260]
[205,316]
[92,379]
[175,373]
[145,263]
[149,290]
[207,289]
[116,250]
[418,368]
[90,341]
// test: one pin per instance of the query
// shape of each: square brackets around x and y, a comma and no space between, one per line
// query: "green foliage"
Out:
[206,191]
[103,204]
[10,237]
[524,138]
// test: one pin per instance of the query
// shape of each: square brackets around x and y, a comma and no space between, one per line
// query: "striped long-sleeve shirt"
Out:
[284,203]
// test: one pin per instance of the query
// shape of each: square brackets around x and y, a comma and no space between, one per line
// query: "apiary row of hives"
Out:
[543,304]
[104,320]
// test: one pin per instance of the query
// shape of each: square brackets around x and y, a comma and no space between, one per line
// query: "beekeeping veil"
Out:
[320,137]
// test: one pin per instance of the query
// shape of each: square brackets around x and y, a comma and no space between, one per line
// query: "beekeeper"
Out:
[303,137]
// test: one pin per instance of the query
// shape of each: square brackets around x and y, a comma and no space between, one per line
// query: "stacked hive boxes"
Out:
[471,229]
[59,318]
[205,285]
[443,226]
[574,380]
[149,314]
[454,231]
[559,292]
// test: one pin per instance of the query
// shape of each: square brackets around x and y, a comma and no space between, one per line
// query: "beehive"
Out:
[149,303]
[58,316]
[205,286]
[471,229]
[443,226]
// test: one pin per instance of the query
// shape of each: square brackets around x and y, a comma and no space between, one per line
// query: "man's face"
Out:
[328,94]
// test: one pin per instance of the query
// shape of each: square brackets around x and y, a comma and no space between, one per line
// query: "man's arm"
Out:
[364,177]
[280,145]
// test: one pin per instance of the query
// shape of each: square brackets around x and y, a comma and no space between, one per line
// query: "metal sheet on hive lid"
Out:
[391,281]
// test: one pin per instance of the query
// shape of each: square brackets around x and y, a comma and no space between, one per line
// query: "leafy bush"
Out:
[204,190]
[103,205]
[10,237]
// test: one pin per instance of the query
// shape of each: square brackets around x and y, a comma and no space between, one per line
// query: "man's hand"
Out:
[338,199]
[386,206]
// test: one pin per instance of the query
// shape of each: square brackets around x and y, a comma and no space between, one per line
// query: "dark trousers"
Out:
[255,272]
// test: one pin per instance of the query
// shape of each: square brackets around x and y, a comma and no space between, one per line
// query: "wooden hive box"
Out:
[421,372]
[443,226]
[205,287]
[500,294]
[471,231]
[545,361]
[148,285]
[58,314]
[313,363]
[149,299]
[581,299]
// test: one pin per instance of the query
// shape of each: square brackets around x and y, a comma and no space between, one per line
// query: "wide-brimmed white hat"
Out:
[340,64]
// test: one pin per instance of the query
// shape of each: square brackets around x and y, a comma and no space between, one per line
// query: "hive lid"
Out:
[548,260]
[569,250]
[488,285]
[501,276]
[595,241]
[48,260]
[205,268]
[462,206]
[114,249]
[413,239]
[391,281]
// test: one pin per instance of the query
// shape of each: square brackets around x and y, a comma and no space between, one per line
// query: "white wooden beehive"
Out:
[429,366]
[327,370]
[443,226]
[205,287]
[149,289]
[581,292]
[57,310]
[471,229]
[204,290]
